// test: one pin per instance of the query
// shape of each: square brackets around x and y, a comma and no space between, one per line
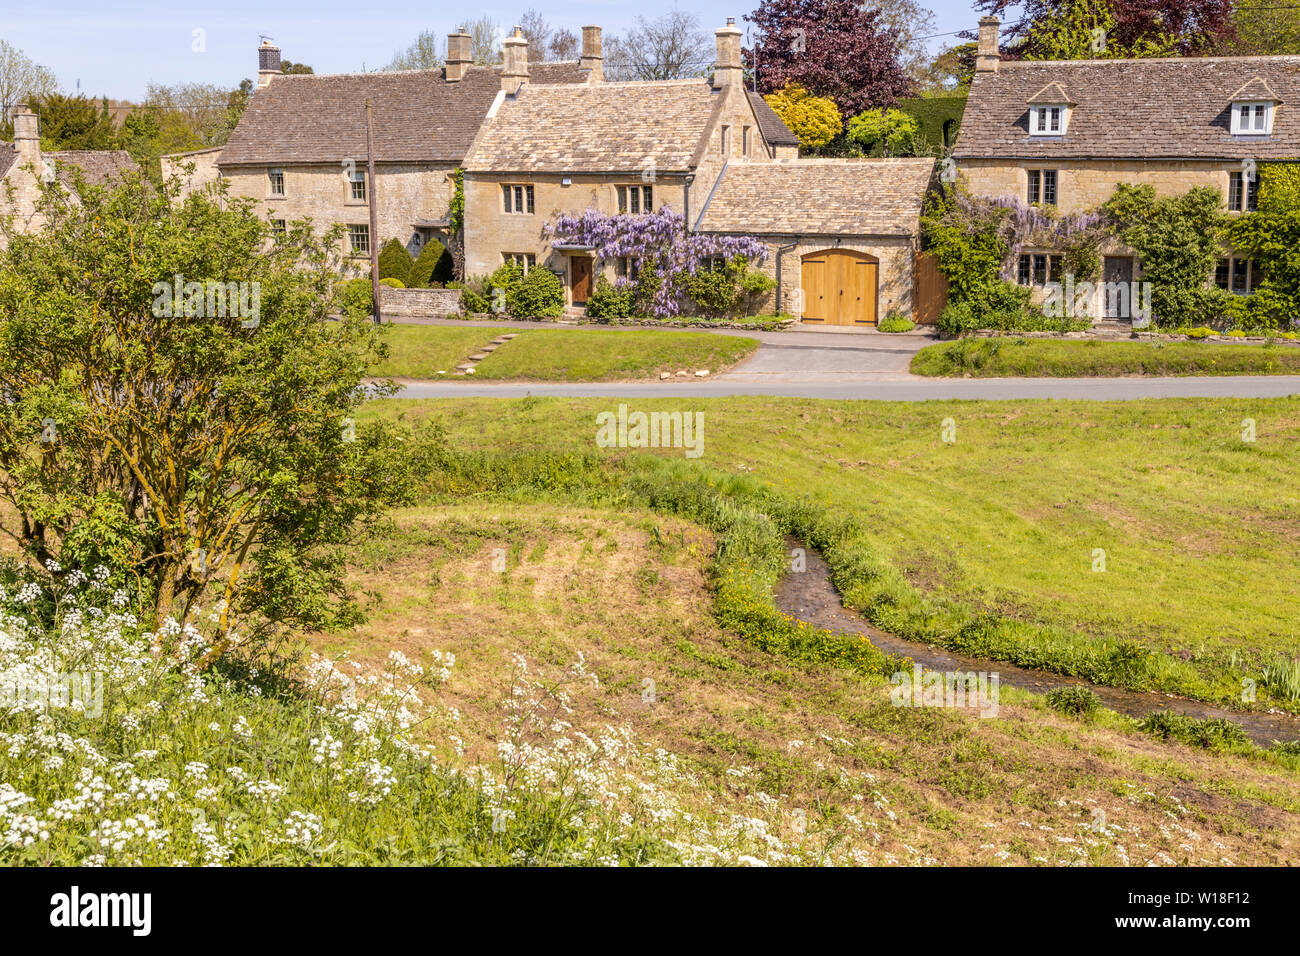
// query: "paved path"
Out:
[910,390]
[856,364]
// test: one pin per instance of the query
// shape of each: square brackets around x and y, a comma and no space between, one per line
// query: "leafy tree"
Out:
[949,72]
[424,53]
[484,40]
[1197,27]
[814,119]
[908,22]
[670,47]
[1086,29]
[433,264]
[1264,27]
[74,122]
[290,68]
[886,132]
[394,261]
[203,447]
[537,32]
[832,48]
[21,79]
[564,45]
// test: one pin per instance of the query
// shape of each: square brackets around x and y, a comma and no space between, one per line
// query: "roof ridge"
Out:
[1266,57]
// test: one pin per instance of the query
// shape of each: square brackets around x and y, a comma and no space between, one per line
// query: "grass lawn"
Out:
[422,351]
[815,756]
[587,355]
[559,355]
[1196,529]
[1011,357]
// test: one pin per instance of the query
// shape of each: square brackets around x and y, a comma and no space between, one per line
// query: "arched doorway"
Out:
[840,287]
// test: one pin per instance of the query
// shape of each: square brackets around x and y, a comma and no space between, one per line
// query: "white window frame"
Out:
[1047,115]
[1252,119]
[273,174]
[355,231]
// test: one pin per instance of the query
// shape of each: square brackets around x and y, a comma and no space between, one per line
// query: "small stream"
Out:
[810,597]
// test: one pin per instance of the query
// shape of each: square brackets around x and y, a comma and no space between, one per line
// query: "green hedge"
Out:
[931,112]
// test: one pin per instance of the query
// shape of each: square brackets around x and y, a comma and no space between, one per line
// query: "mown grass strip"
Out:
[1046,358]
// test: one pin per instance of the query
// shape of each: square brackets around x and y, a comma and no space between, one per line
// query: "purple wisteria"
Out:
[1077,234]
[654,241]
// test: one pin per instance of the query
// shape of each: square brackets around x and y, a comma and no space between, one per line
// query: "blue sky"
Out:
[114,48]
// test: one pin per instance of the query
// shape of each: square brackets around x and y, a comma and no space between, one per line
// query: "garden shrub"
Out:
[501,287]
[814,119]
[609,301]
[394,261]
[354,298]
[894,322]
[886,132]
[473,301]
[1271,236]
[539,294]
[393,283]
[432,268]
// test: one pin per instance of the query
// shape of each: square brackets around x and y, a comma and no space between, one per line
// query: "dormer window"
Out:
[1252,119]
[1047,120]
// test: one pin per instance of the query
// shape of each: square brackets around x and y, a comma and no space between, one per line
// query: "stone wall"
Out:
[407,191]
[1086,184]
[205,168]
[894,275]
[418,303]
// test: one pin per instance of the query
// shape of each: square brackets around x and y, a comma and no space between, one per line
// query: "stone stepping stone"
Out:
[478,356]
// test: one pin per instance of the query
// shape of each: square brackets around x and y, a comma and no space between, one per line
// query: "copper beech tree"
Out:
[179,406]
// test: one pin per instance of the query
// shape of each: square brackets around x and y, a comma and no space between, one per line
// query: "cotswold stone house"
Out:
[842,234]
[300,146]
[707,149]
[1065,133]
[24,165]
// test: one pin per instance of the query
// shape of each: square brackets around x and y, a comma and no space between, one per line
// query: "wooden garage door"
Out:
[840,287]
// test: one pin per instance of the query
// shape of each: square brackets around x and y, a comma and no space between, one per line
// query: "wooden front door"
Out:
[580,279]
[840,287]
[1116,271]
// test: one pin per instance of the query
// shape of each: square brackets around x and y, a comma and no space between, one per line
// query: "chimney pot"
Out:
[727,71]
[592,60]
[268,63]
[458,55]
[987,56]
[514,65]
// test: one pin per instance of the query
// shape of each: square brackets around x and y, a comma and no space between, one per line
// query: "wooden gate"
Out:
[929,289]
[840,287]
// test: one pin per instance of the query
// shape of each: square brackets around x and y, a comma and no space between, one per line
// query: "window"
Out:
[517,199]
[1252,119]
[745,137]
[1039,268]
[1042,186]
[1243,187]
[277,182]
[726,140]
[713,264]
[625,268]
[279,229]
[1237,275]
[525,259]
[357,185]
[635,199]
[359,240]
[1047,120]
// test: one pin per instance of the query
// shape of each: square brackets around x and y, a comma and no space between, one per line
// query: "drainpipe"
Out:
[686,202]
[780,251]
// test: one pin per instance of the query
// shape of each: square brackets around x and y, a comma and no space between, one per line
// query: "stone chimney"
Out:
[458,55]
[727,71]
[27,137]
[268,63]
[987,57]
[592,61]
[514,66]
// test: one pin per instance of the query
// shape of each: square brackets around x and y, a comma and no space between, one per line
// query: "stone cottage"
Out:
[842,234]
[626,147]
[24,165]
[1065,133]
[300,146]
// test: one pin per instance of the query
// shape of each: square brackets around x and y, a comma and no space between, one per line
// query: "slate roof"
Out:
[1175,108]
[97,165]
[849,197]
[418,115]
[601,127]
[772,126]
